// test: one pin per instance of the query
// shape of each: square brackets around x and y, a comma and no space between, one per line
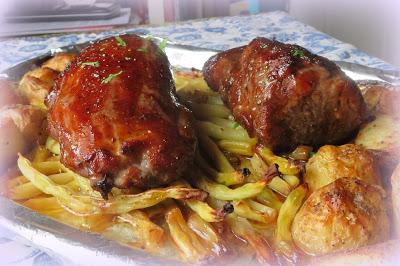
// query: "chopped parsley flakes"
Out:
[163,44]
[120,41]
[142,49]
[110,78]
[93,64]
[298,53]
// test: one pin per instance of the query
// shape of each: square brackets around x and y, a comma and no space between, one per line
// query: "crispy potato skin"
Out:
[381,98]
[60,61]
[36,84]
[331,163]
[381,137]
[346,214]
[395,181]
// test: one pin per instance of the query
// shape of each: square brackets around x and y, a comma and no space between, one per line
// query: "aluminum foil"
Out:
[86,248]
[188,57]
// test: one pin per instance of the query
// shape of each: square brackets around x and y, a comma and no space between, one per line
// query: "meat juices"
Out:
[285,95]
[117,118]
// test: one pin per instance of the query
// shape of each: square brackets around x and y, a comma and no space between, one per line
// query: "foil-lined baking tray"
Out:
[188,57]
[83,248]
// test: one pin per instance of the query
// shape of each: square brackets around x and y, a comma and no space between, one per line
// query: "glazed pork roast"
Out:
[117,118]
[285,95]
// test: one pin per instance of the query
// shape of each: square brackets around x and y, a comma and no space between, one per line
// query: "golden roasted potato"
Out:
[382,254]
[60,61]
[331,163]
[20,126]
[381,98]
[382,138]
[36,84]
[395,180]
[381,134]
[346,214]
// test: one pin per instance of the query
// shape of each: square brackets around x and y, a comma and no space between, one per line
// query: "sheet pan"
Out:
[86,248]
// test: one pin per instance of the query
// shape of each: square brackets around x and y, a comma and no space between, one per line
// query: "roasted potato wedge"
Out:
[382,138]
[331,163]
[36,84]
[344,215]
[381,98]
[59,62]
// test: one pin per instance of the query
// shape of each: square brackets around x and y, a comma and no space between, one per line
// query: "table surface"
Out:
[216,33]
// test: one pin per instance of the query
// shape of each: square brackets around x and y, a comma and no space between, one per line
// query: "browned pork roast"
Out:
[116,116]
[285,95]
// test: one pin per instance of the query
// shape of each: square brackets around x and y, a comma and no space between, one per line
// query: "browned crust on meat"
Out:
[286,95]
[127,130]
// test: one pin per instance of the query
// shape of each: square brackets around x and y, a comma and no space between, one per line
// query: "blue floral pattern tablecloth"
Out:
[218,33]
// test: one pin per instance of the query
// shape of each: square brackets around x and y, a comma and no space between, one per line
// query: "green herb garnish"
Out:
[141,50]
[311,154]
[298,53]
[120,41]
[110,77]
[94,64]
[163,44]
